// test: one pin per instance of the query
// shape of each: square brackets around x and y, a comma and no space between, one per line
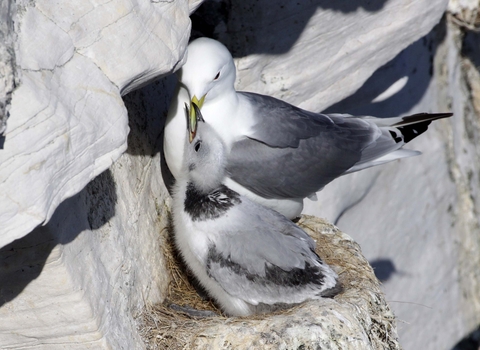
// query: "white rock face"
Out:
[68,122]
[458,6]
[7,64]
[315,55]
[80,281]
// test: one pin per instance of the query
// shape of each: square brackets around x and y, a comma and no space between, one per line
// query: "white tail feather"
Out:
[398,154]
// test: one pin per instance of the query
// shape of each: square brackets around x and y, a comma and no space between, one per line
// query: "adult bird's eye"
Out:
[216,76]
[197,146]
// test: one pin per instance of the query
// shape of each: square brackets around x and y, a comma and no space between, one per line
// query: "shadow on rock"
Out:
[147,112]
[23,260]
[415,63]
[470,342]
[255,27]
[384,269]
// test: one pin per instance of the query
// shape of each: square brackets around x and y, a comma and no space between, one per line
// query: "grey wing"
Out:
[265,258]
[293,153]
[280,124]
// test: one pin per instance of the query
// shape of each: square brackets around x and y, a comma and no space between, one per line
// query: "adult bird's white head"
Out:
[209,71]
[209,77]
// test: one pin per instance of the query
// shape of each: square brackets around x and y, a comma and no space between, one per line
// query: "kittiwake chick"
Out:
[278,154]
[249,258]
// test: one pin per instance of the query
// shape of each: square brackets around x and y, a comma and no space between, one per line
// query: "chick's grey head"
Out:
[209,70]
[205,158]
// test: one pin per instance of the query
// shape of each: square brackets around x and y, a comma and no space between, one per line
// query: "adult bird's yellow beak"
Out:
[197,102]
[192,119]
[193,116]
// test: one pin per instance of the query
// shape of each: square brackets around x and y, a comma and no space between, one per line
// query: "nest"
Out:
[359,316]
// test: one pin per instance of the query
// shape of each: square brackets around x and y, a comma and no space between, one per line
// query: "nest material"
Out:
[358,317]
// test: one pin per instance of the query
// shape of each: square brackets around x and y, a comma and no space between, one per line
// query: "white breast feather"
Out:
[192,239]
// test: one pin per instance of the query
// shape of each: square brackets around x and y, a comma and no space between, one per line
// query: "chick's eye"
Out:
[216,76]
[197,146]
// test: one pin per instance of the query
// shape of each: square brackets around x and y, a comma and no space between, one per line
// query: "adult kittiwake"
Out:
[249,258]
[278,154]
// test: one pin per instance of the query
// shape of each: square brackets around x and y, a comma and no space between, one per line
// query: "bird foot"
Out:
[193,312]
[296,219]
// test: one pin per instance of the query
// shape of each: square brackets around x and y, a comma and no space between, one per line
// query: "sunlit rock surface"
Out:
[68,122]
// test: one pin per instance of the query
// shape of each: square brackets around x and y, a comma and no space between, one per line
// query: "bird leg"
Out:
[190,311]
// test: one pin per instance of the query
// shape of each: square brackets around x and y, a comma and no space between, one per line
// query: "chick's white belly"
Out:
[193,241]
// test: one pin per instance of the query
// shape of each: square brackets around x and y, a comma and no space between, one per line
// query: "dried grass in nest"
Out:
[164,328]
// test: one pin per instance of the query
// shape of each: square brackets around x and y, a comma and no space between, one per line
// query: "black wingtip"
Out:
[422,117]
[331,292]
[436,116]
[416,124]
[411,131]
